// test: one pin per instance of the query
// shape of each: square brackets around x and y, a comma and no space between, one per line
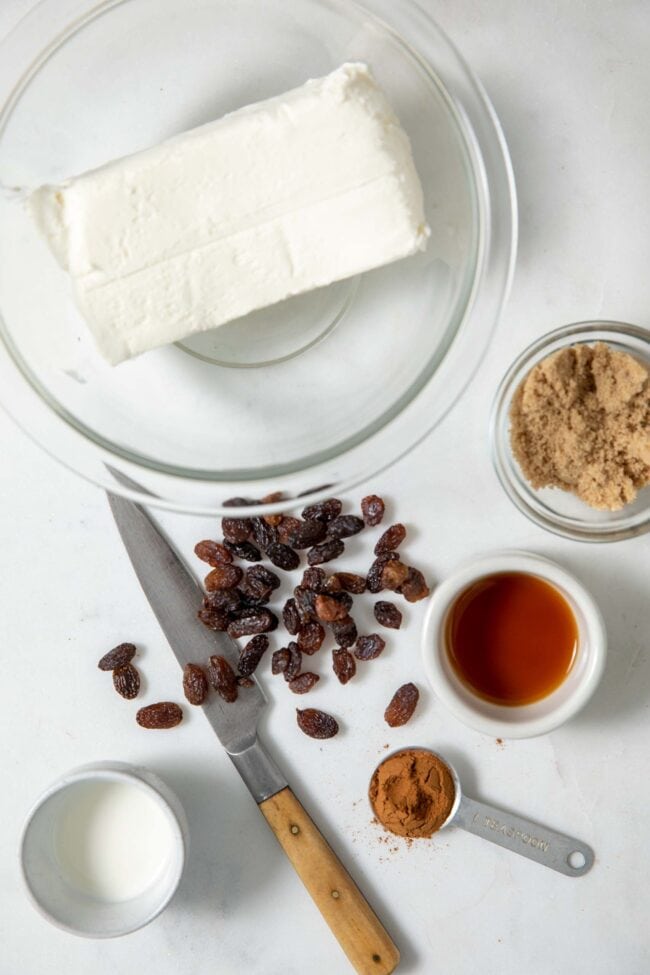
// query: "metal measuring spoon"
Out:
[563,853]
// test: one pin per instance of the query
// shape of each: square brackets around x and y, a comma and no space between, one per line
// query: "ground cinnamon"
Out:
[412,793]
[580,421]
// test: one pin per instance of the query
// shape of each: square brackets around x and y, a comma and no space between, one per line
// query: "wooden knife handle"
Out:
[351,919]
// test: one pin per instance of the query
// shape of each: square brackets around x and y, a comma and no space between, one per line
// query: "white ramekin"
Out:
[66,906]
[528,720]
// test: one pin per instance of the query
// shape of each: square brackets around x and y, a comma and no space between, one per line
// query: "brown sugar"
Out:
[412,793]
[580,421]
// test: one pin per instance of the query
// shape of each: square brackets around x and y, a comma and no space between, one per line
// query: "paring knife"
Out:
[175,596]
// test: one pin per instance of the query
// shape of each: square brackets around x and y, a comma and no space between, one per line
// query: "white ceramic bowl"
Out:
[529,720]
[49,886]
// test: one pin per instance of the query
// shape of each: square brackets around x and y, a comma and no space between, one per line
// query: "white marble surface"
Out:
[570,82]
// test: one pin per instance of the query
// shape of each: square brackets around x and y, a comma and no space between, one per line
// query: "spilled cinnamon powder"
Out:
[412,793]
[580,421]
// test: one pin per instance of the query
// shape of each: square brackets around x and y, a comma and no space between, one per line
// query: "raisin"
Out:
[263,533]
[330,549]
[333,584]
[126,681]
[314,578]
[251,655]
[295,662]
[388,615]
[369,647]
[305,534]
[372,509]
[245,681]
[349,581]
[239,502]
[244,550]
[117,657]
[343,664]
[345,632]
[303,682]
[305,599]
[323,511]
[391,539]
[255,621]
[251,601]
[287,526]
[291,617]
[310,637]
[316,724]
[280,660]
[215,619]
[195,683]
[222,677]
[402,705]
[236,529]
[228,600]
[344,526]
[283,556]
[373,579]
[273,520]
[329,609]
[223,577]
[214,553]
[164,714]
[393,575]
[259,582]
[414,586]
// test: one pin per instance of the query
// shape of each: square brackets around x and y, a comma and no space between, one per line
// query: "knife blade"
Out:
[174,596]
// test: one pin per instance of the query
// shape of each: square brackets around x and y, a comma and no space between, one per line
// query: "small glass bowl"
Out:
[554,509]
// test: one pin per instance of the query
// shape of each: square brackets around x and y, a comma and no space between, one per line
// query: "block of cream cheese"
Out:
[270,201]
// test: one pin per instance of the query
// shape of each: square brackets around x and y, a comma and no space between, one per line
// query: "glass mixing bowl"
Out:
[554,509]
[321,390]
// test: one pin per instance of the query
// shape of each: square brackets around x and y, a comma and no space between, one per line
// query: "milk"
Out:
[113,840]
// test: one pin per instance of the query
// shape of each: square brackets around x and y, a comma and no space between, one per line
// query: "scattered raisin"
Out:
[305,534]
[323,511]
[236,529]
[372,509]
[291,617]
[229,600]
[215,619]
[239,502]
[305,599]
[344,526]
[369,647]
[223,577]
[255,621]
[402,705]
[414,586]
[251,655]
[263,533]
[329,609]
[126,681]
[303,682]
[349,581]
[310,637]
[245,681]
[388,615]
[214,553]
[394,574]
[195,683]
[345,632]
[280,660]
[314,578]
[330,549]
[272,498]
[117,657]
[244,550]
[283,556]
[316,724]
[391,539]
[259,582]
[164,714]
[222,677]
[287,526]
[373,579]
[295,662]
[343,664]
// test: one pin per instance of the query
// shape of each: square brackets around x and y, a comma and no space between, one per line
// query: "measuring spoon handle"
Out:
[520,835]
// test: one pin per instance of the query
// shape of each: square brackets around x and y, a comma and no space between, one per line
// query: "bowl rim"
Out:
[433,649]
[519,492]
[141,778]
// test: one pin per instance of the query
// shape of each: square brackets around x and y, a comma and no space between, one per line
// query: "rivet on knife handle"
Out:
[351,919]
